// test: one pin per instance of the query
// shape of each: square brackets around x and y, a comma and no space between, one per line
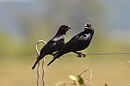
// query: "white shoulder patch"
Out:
[87,35]
[84,36]
[58,38]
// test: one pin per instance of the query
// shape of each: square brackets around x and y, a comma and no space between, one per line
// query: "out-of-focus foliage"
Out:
[30,27]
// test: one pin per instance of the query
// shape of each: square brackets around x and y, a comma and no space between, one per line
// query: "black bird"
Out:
[53,45]
[77,43]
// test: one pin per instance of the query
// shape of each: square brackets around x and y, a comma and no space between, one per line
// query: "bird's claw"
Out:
[79,54]
[83,54]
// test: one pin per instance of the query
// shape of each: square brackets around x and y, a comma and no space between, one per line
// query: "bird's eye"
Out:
[85,35]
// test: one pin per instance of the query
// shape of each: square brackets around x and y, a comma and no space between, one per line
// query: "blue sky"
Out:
[117,16]
[116,19]
[118,13]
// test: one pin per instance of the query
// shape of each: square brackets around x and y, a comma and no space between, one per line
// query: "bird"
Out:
[77,43]
[54,44]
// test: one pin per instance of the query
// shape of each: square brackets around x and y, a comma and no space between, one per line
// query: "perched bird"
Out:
[53,45]
[77,43]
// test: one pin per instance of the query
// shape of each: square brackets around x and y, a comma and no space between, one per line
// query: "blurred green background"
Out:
[24,22]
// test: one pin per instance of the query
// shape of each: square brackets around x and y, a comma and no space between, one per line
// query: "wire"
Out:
[17,57]
[112,53]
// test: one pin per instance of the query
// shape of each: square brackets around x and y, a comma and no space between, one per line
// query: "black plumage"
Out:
[53,45]
[77,43]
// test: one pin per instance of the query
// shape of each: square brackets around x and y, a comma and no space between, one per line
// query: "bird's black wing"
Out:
[74,43]
[53,45]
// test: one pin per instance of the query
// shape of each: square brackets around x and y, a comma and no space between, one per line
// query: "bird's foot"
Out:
[80,54]
[83,54]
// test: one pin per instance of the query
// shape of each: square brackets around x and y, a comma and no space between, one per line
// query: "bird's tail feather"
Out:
[35,64]
[57,55]
[38,59]
[51,61]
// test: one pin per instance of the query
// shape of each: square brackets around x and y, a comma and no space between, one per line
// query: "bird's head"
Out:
[88,26]
[63,29]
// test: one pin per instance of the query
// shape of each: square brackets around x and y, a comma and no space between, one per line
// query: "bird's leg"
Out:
[80,54]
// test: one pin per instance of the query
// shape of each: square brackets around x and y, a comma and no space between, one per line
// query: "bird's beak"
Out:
[88,26]
[69,27]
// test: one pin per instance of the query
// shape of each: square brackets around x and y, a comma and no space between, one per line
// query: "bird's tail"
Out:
[35,64]
[38,59]
[57,55]
[51,61]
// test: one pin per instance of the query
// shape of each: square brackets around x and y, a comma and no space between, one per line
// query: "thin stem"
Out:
[38,68]
[43,74]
